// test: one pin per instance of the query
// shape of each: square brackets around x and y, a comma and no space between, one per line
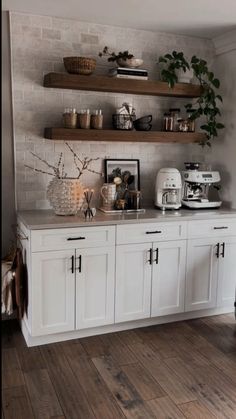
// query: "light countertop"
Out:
[45,219]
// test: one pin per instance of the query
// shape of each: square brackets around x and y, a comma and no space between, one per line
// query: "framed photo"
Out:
[123,172]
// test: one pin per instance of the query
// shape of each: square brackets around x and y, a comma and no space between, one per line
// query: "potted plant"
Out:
[65,194]
[123,59]
[206,105]
[174,67]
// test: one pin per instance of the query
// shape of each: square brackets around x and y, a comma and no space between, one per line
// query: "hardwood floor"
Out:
[173,371]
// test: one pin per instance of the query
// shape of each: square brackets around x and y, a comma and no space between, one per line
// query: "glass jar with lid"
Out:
[167,122]
[191,122]
[175,114]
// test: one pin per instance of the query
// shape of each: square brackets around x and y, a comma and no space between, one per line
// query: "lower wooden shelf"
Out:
[66,134]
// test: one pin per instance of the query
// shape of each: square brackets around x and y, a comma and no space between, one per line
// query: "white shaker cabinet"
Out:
[168,278]
[227,272]
[53,292]
[133,282]
[150,279]
[202,274]
[95,283]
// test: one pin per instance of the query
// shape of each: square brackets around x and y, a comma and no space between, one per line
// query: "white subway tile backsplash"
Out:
[39,44]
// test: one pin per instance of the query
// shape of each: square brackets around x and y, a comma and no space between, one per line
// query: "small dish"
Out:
[130,62]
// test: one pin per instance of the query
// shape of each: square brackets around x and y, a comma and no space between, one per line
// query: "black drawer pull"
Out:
[76,238]
[218,250]
[221,228]
[154,232]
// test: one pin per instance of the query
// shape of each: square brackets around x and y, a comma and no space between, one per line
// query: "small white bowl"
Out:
[130,62]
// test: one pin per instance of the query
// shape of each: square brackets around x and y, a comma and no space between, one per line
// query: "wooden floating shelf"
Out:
[111,84]
[65,134]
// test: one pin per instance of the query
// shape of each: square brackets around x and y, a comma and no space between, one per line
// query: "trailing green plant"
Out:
[207,102]
[174,61]
[125,55]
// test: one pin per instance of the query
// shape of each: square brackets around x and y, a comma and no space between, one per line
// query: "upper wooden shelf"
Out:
[111,84]
[66,134]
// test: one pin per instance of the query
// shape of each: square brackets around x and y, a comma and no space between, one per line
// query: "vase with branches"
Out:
[66,194]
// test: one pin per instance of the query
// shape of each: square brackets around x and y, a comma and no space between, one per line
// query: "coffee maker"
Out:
[168,189]
[197,187]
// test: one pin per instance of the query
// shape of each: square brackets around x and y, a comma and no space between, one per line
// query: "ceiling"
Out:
[201,18]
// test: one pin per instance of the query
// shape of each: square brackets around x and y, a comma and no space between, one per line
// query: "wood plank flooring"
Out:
[184,370]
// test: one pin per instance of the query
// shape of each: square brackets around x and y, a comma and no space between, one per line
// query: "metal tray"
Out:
[128,211]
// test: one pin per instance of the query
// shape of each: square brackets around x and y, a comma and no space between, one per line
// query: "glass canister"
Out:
[167,122]
[84,119]
[183,125]
[191,121]
[97,119]
[175,114]
[70,118]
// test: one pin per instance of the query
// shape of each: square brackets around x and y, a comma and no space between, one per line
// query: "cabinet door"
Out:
[133,282]
[202,273]
[227,273]
[168,278]
[53,292]
[95,284]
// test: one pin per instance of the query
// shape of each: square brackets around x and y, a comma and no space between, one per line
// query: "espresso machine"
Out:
[197,187]
[168,189]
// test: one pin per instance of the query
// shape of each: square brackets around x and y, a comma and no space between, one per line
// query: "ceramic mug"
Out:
[108,194]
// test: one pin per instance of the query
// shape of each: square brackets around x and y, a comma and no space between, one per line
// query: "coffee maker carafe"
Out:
[168,189]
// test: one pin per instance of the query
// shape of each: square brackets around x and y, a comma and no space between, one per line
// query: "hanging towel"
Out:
[7,288]
[21,292]
[15,285]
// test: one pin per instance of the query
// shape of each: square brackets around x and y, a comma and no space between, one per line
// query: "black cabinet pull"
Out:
[218,250]
[80,264]
[157,256]
[72,264]
[76,238]
[223,250]
[150,256]
[153,232]
[221,228]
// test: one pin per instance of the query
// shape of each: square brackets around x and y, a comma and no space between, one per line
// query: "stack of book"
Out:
[129,73]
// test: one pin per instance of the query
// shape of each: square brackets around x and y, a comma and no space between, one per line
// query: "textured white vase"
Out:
[66,196]
[184,77]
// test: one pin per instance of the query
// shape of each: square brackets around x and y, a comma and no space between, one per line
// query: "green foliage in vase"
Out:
[174,61]
[207,104]
[112,56]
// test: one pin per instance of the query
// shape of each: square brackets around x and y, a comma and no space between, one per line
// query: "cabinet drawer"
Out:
[212,228]
[72,238]
[146,233]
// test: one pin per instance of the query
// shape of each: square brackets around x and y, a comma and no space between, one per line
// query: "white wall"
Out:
[8,197]
[38,45]
[223,153]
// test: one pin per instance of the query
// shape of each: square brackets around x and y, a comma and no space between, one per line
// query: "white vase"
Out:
[66,196]
[129,62]
[184,77]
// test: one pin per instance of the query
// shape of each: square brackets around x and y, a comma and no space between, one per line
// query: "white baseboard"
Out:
[59,337]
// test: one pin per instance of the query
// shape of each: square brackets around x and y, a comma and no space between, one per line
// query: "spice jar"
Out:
[191,121]
[175,114]
[167,122]
[97,119]
[84,119]
[70,118]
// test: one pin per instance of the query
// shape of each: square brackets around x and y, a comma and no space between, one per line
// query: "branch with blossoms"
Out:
[58,170]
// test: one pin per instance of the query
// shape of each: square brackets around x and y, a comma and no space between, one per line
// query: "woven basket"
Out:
[79,65]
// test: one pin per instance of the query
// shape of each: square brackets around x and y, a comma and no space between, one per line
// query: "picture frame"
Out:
[127,169]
